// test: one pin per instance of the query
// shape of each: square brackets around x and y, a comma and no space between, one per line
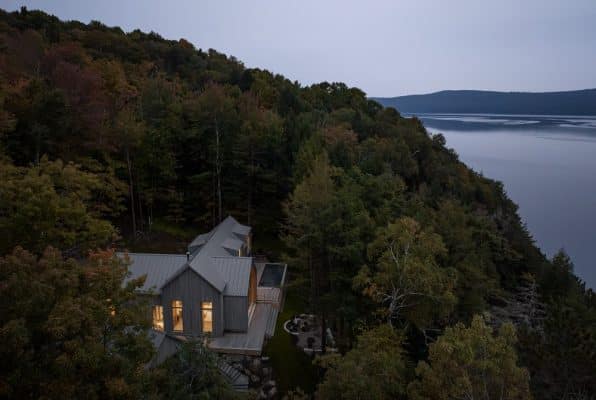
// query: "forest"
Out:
[422,267]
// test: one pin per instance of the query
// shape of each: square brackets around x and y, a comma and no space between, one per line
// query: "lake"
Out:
[548,167]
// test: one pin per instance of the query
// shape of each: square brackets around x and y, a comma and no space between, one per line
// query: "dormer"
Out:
[244,233]
[198,242]
[234,246]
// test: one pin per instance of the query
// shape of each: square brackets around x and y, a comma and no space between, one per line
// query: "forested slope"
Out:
[106,136]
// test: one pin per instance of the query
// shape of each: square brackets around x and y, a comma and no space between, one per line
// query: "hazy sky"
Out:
[384,47]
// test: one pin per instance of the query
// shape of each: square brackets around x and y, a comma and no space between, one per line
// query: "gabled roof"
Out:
[201,261]
[236,272]
[210,258]
[241,230]
[158,268]
[199,241]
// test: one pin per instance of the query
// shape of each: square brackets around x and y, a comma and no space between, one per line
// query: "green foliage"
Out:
[54,204]
[70,329]
[102,129]
[327,226]
[373,369]
[192,374]
[471,363]
[562,355]
[406,278]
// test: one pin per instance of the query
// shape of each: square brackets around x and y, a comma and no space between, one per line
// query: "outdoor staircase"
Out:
[271,321]
[236,378]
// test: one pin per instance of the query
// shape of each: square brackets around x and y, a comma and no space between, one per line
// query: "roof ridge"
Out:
[234,257]
[152,254]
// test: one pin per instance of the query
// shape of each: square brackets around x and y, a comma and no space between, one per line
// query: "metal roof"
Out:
[232,244]
[199,241]
[156,338]
[202,263]
[210,259]
[158,268]
[241,230]
[236,272]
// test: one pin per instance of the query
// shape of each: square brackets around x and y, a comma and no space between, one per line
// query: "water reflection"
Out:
[548,167]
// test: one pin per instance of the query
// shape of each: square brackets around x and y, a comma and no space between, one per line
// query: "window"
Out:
[112,307]
[158,318]
[177,323]
[207,316]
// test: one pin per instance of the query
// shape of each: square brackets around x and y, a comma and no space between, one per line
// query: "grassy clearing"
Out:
[292,367]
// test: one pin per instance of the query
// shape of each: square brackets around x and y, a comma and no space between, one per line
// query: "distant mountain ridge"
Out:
[576,102]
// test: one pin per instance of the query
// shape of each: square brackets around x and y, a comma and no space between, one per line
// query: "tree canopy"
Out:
[130,140]
[471,363]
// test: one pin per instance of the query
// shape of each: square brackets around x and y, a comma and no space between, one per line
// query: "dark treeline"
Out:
[573,102]
[408,255]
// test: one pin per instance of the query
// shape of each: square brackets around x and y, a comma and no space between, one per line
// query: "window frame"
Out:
[207,307]
[175,308]
[157,310]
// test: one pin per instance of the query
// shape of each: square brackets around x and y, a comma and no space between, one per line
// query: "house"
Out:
[216,290]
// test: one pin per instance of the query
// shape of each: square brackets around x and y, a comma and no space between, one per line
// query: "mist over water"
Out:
[548,167]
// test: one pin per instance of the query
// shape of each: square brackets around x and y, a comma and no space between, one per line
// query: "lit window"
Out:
[207,316]
[112,307]
[158,318]
[177,322]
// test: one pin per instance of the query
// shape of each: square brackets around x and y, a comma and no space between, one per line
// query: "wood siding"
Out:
[192,289]
[236,313]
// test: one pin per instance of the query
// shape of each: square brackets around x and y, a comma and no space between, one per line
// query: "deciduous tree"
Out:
[405,277]
[472,363]
[70,329]
[373,369]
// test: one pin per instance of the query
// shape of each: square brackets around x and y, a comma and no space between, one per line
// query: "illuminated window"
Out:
[158,318]
[177,322]
[207,316]
[112,307]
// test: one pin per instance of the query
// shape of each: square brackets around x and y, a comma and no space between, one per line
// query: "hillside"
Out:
[128,140]
[577,102]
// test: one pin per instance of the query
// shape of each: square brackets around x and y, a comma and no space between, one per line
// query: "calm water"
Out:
[548,167]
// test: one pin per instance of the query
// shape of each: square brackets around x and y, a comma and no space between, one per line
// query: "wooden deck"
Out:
[270,294]
[262,321]
[250,342]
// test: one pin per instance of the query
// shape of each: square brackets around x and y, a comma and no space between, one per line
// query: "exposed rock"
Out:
[522,307]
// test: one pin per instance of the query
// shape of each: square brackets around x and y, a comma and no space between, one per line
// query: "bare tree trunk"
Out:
[141,216]
[218,171]
[250,186]
[323,333]
[131,193]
